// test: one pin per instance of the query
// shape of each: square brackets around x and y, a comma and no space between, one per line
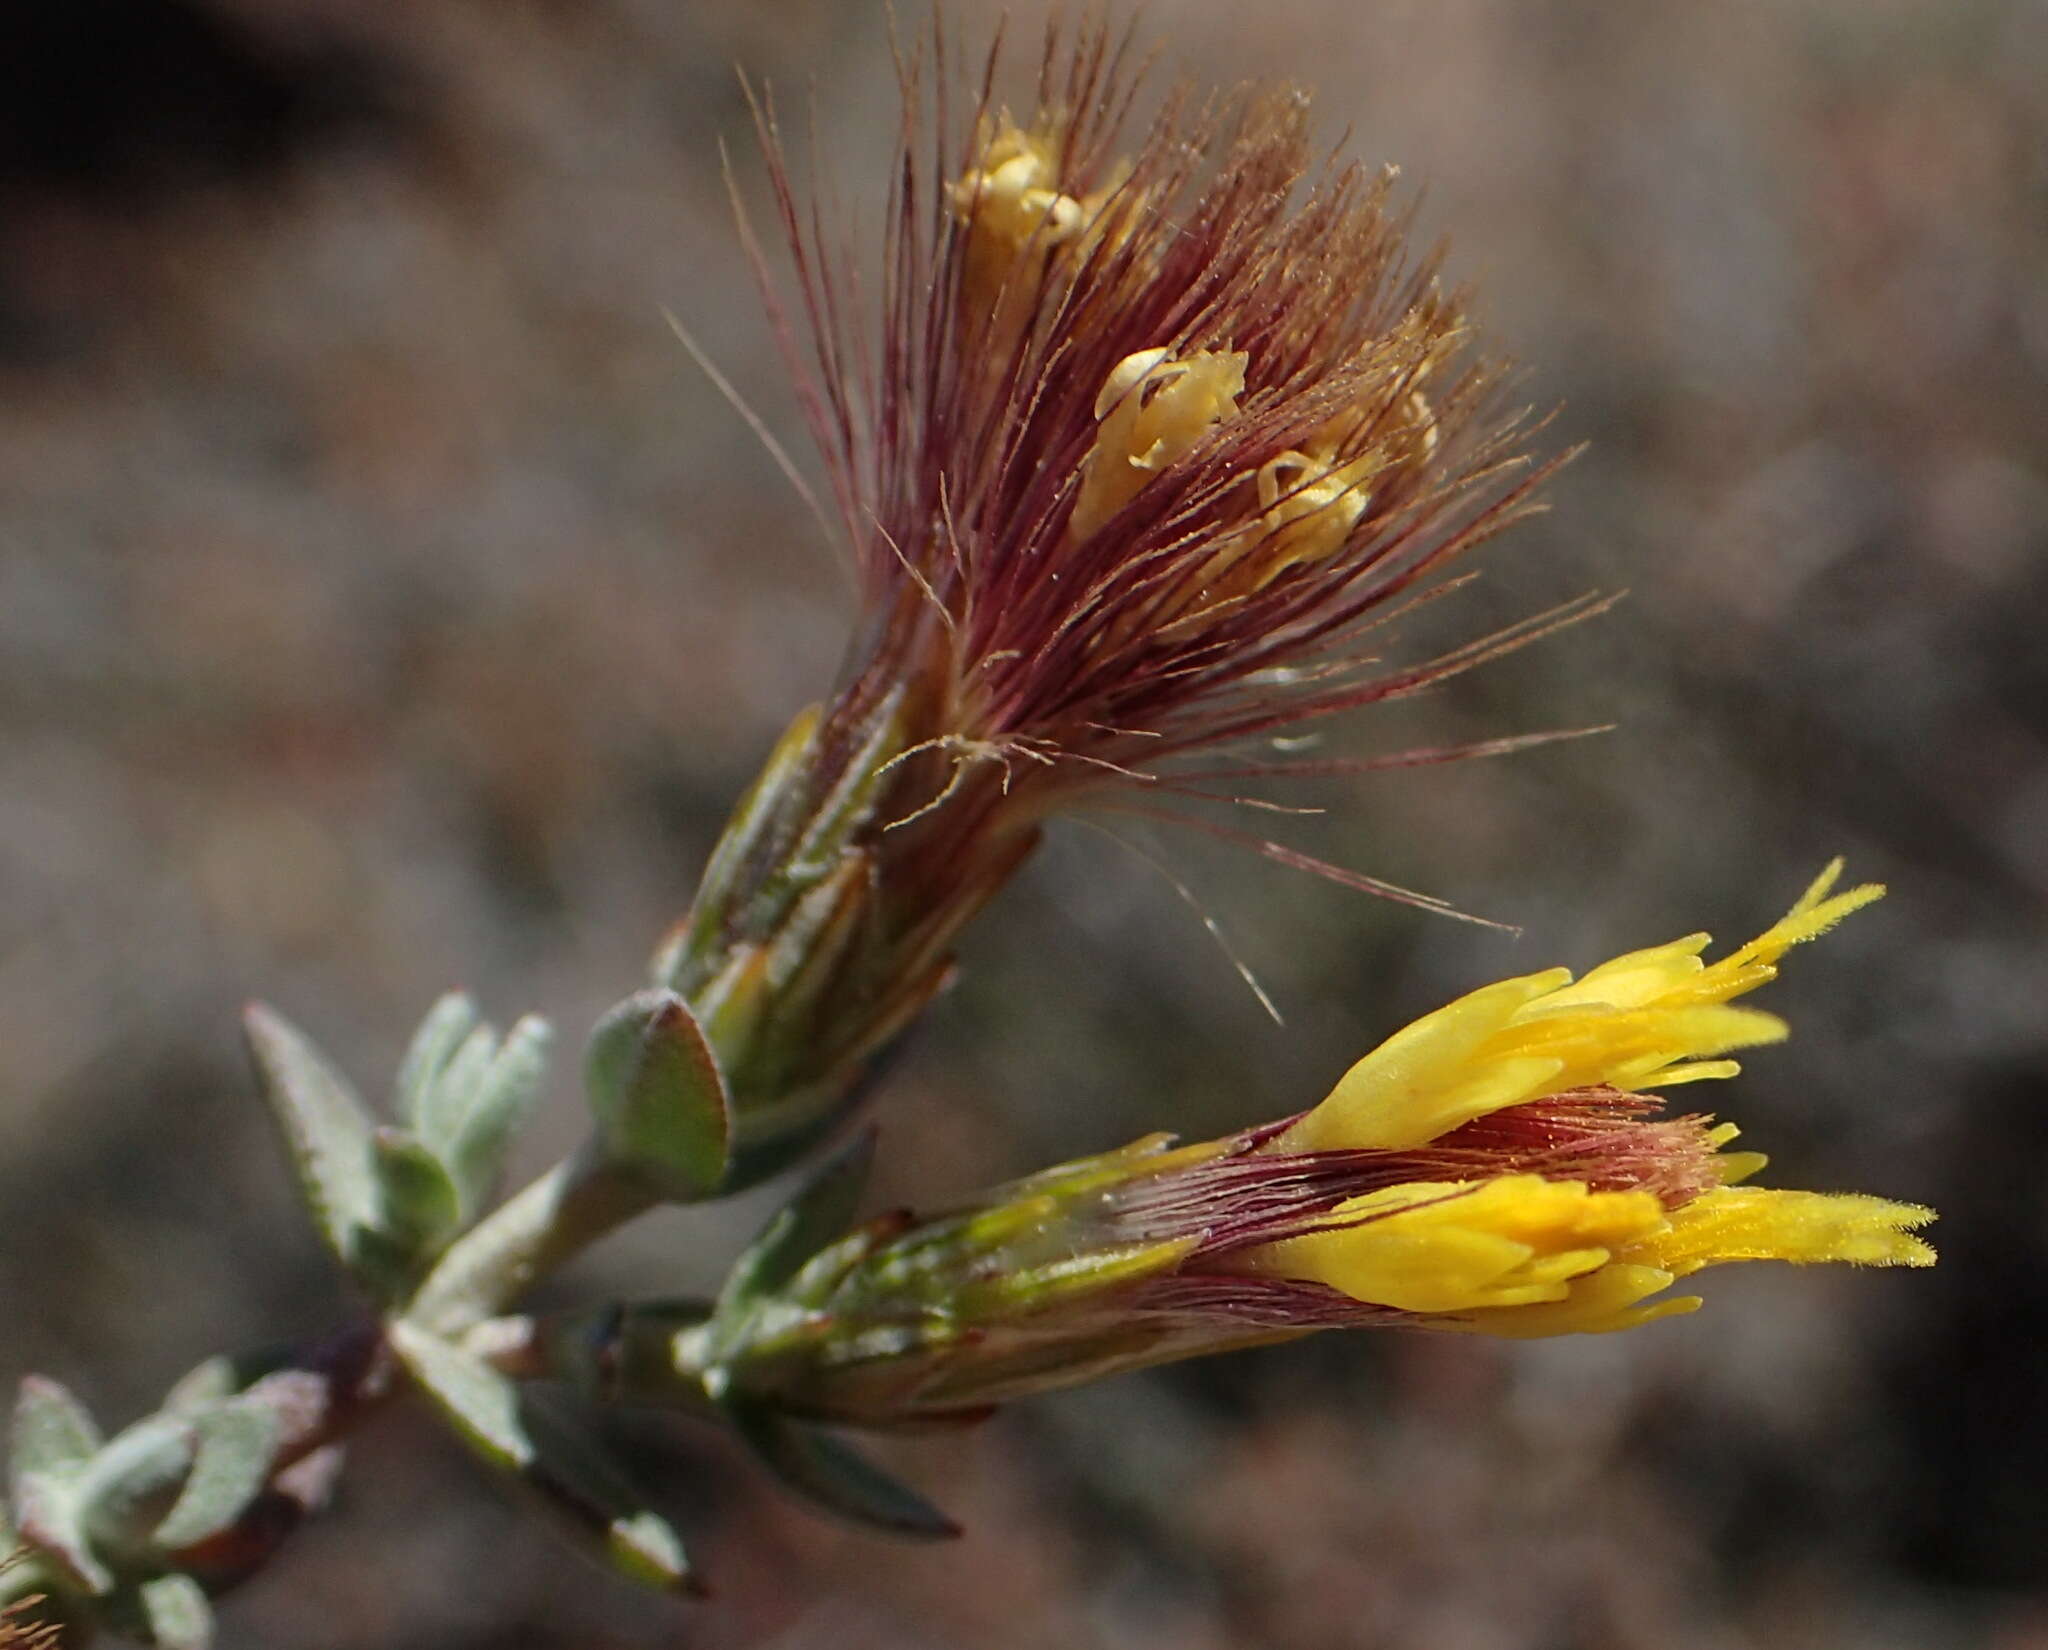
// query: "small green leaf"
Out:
[53,1432]
[498,1105]
[325,1128]
[134,1480]
[175,1613]
[760,813]
[204,1384]
[49,1520]
[598,1502]
[659,1100]
[440,1034]
[645,1548]
[482,1404]
[571,1476]
[834,1476]
[818,1214]
[447,1097]
[231,1459]
[421,1209]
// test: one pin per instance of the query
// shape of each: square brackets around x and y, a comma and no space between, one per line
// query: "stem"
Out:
[575,1203]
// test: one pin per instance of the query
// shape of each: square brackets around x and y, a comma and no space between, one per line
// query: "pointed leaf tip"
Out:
[175,1613]
[481,1404]
[597,1502]
[832,1474]
[495,1109]
[820,1213]
[326,1129]
[234,1447]
[53,1432]
[646,1548]
[50,1521]
[658,1097]
[440,1034]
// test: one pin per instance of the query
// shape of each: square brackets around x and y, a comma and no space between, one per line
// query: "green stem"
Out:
[575,1203]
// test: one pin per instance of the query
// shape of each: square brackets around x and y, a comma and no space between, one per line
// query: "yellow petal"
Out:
[1733,1223]
[1403,1091]
[1431,1247]
[1609,1299]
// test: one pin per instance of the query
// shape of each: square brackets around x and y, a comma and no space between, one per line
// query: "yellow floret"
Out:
[1447,1246]
[1721,1226]
[1645,1020]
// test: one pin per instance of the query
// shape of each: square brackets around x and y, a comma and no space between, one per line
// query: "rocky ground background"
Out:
[386,603]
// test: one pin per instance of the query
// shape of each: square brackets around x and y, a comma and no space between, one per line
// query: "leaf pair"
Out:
[388,1198]
[111,1518]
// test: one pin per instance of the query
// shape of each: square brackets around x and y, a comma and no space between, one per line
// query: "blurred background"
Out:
[386,604]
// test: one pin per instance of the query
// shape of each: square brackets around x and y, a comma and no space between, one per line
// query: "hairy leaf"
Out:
[53,1432]
[175,1613]
[659,1100]
[440,1034]
[482,1404]
[325,1128]
[233,1448]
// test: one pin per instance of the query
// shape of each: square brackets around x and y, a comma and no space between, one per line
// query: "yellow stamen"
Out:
[1017,215]
[1153,408]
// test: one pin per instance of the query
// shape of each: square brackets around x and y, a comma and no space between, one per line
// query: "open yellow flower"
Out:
[1493,1168]
[1519,1253]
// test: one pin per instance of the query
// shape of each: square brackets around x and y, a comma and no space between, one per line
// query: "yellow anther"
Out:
[1153,408]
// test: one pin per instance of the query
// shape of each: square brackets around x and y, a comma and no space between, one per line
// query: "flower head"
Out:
[1492,1168]
[1155,422]
[1150,417]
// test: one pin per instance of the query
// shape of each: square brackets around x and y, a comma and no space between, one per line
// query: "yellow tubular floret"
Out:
[1448,1246]
[1644,1020]
[1724,1225]
[1764,1223]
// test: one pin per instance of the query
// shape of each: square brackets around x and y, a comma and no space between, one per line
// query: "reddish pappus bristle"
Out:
[1610,1140]
[1222,598]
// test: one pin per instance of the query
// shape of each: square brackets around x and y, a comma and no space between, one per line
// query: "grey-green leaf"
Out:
[835,1476]
[421,1208]
[645,1547]
[134,1480]
[498,1105]
[203,1384]
[818,1214]
[175,1613]
[234,1447]
[571,1476]
[440,1034]
[447,1097]
[53,1432]
[599,1503]
[482,1404]
[325,1128]
[49,1519]
[659,1100]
